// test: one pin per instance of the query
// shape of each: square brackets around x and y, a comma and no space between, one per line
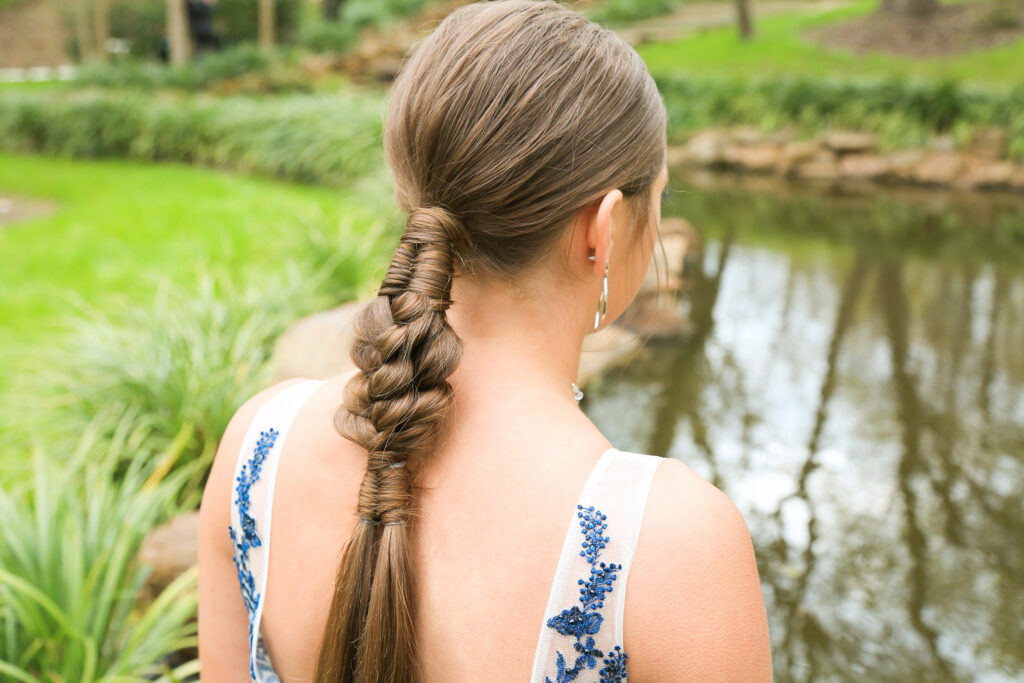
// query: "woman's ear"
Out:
[599,229]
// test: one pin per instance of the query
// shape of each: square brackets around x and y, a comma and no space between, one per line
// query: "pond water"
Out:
[852,376]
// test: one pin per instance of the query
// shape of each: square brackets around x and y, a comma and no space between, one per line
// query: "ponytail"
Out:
[405,349]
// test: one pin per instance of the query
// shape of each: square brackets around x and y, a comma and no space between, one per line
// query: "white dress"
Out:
[580,638]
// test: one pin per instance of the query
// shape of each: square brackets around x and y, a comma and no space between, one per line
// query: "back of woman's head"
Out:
[505,122]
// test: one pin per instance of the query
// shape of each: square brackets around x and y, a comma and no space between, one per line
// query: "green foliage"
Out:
[328,36]
[360,13]
[350,254]
[239,19]
[624,11]
[327,139]
[69,578]
[904,113]
[182,364]
[266,72]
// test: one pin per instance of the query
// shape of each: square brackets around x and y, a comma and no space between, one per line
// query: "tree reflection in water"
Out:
[854,380]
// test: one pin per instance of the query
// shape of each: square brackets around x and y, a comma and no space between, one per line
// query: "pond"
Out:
[852,376]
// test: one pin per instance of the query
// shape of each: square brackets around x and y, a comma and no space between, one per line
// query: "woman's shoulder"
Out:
[215,509]
[695,608]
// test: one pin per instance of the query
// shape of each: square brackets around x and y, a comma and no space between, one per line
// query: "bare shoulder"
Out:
[694,609]
[222,616]
[214,512]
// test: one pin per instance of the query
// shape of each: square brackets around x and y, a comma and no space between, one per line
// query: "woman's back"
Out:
[497,550]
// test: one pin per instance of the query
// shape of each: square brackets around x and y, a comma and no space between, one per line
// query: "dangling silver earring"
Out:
[602,303]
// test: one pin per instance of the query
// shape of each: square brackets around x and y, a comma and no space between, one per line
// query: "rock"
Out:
[746,136]
[704,148]
[902,164]
[169,551]
[675,225]
[863,166]
[1017,179]
[939,168]
[669,266]
[986,174]
[820,168]
[316,346]
[796,152]
[943,143]
[990,142]
[760,158]
[675,156]
[654,317]
[848,141]
[604,349]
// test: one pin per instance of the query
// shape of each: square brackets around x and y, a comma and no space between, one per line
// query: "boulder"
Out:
[796,152]
[849,141]
[821,168]
[654,316]
[989,142]
[317,346]
[1017,179]
[761,158]
[939,168]
[863,167]
[169,551]
[669,265]
[675,156]
[903,163]
[604,349]
[746,136]
[986,174]
[704,148]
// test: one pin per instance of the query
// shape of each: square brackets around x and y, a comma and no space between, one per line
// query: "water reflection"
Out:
[860,395]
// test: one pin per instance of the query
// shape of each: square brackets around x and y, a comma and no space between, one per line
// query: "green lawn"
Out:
[121,226]
[778,49]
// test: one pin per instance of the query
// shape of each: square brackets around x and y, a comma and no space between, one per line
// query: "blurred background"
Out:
[193,201]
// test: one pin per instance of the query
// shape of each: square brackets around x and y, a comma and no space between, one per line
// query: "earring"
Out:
[602,303]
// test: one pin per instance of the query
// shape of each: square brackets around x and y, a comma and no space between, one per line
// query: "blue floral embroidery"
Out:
[247,477]
[582,623]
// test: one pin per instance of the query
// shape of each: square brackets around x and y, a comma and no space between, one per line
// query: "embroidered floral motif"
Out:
[247,477]
[583,622]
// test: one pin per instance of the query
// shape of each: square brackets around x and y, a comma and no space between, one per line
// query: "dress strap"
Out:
[582,627]
[251,506]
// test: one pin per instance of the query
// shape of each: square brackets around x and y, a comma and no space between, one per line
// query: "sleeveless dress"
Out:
[580,637]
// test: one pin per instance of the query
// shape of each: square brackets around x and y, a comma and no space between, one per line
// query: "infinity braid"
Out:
[405,349]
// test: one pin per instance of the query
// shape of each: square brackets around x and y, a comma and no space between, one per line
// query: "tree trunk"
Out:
[177,32]
[745,20]
[266,23]
[101,25]
[913,8]
[332,9]
[83,34]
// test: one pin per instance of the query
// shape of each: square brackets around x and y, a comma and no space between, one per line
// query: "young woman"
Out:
[446,512]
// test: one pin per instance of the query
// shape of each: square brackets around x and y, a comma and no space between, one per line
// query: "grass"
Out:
[778,49]
[122,226]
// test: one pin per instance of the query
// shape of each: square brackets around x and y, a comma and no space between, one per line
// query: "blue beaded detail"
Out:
[246,479]
[582,623]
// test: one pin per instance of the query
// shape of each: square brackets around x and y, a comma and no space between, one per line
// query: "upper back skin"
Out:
[493,506]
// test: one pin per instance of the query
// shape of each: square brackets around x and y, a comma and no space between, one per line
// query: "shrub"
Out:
[326,139]
[183,365]
[624,11]
[329,36]
[69,577]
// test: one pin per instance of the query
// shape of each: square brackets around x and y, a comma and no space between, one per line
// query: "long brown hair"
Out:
[503,124]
